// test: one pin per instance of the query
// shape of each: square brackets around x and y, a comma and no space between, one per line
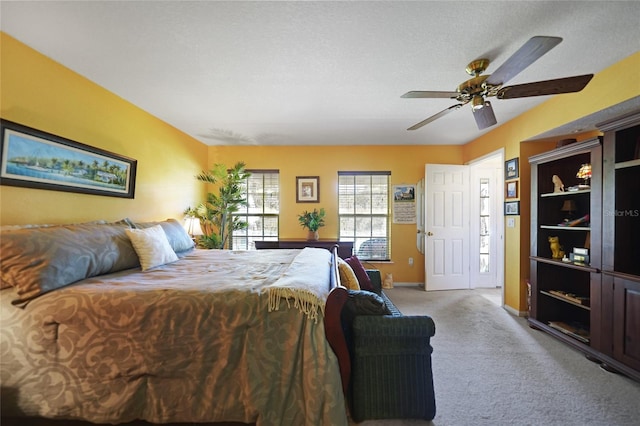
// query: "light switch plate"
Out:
[511,223]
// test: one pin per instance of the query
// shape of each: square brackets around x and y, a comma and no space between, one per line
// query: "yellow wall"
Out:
[614,85]
[43,94]
[406,164]
[40,93]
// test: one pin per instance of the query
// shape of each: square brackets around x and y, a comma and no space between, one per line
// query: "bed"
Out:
[205,336]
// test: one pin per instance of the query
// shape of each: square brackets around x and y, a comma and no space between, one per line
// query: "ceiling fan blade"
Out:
[435,117]
[530,52]
[484,116]
[547,87]
[430,94]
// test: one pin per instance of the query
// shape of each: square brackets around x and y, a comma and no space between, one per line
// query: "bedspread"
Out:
[193,341]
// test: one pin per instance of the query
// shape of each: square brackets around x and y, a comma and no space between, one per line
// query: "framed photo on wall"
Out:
[511,170]
[511,190]
[32,158]
[512,208]
[307,189]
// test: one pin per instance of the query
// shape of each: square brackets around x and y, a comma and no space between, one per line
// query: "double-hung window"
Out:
[363,211]
[262,191]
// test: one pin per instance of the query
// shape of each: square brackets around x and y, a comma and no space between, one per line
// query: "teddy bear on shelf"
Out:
[556,248]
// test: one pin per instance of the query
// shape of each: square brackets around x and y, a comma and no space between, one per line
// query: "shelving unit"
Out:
[594,306]
[564,294]
[621,248]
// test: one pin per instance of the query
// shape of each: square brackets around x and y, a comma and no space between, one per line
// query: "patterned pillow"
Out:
[38,260]
[152,246]
[347,277]
[365,303]
[361,273]
[178,238]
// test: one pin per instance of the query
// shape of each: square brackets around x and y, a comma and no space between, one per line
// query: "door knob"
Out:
[429,234]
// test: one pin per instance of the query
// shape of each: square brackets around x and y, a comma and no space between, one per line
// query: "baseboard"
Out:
[515,311]
[408,284]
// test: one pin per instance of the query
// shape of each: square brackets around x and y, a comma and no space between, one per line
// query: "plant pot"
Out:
[313,236]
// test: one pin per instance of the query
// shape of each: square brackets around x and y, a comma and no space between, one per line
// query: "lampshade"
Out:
[192,226]
[584,172]
[568,206]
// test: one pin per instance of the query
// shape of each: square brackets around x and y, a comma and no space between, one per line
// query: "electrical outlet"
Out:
[411,261]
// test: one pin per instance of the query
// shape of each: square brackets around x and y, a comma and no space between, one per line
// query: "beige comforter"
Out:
[216,336]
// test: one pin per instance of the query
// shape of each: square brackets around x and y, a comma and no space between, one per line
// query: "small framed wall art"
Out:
[511,189]
[307,189]
[512,208]
[511,170]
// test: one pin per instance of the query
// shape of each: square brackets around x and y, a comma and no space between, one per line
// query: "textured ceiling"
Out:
[296,73]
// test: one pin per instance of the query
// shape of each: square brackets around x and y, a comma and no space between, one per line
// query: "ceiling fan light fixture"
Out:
[481,86]
[477,102]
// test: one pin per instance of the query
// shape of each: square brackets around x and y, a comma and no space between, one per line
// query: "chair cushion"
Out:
[363,279]
[347,277]
[362,302]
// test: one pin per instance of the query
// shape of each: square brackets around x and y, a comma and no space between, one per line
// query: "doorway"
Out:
[486,180]
[466,202]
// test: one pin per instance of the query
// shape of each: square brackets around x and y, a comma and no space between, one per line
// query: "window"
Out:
[262,209]
[363,211]
[485,226]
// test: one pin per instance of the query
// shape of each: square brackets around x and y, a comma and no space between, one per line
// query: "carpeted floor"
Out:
[490,368]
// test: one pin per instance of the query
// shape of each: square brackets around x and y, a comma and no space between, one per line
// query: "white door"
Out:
[447,213]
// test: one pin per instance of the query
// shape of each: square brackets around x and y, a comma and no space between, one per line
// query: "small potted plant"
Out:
[312,221]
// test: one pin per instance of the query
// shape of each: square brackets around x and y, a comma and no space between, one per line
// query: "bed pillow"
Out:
[347,277]
[38,260]
[152,246]
[179,239]
[363,279]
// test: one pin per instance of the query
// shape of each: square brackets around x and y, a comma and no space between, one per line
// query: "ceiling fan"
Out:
[480,87]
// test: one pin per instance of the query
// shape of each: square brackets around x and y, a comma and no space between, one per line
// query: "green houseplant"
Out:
[312,221]
[216,212]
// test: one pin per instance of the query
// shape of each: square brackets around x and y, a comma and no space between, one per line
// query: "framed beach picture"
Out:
[307,189]
[32,158]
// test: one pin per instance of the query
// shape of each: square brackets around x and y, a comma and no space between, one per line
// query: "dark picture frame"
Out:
[32,158]
[511,169]
[307,189]
[512,208]
[511,189]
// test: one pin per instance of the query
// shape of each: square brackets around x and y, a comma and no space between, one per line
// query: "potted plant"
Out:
[216,213]
[312,221]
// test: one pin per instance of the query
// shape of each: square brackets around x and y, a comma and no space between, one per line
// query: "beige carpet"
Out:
[490,368]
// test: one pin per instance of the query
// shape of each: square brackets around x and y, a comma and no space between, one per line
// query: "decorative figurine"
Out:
[558,186]
[556,248]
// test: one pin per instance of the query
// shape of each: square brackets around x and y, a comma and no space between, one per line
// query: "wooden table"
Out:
[345,248]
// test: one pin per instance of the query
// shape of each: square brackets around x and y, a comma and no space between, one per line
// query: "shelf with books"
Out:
[575,329]
[564,276]
[580,301]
